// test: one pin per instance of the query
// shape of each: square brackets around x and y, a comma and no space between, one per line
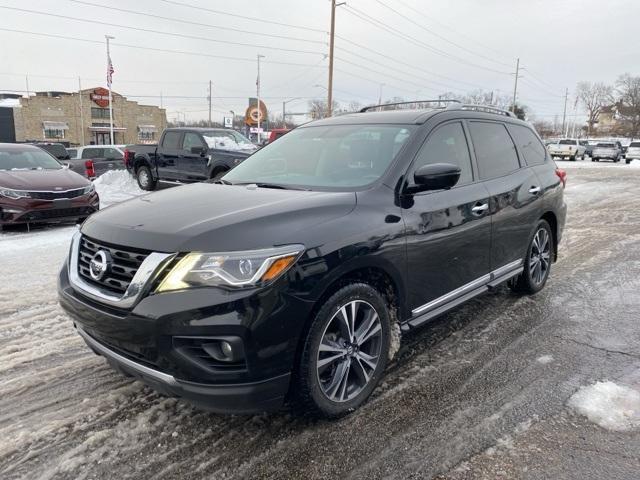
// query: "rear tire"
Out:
[218,174]
[537,263]
[145,179]
[337,379]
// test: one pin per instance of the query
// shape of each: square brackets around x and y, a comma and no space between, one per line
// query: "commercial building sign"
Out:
[100,96]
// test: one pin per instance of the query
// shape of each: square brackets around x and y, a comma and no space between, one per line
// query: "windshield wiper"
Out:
[223,182]
[280,186]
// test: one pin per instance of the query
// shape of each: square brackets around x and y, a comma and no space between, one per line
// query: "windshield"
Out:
[227,140]
[567,142]
[337,156]
[606,145]
[31,159]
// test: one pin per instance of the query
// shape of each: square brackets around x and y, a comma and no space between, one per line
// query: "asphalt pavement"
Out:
[480,393]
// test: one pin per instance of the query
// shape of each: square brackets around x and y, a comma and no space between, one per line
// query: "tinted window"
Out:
[447,144]
[92,153]
[55,149]
[112,153]
[634,144]
[567,142]
[531,148]
[72,152]
[191,140]
[171,140]
[606,145]
[495,151]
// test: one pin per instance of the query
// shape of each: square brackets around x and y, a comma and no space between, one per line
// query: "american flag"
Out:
[109,71]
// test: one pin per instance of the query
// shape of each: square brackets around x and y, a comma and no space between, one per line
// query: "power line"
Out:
[410,20]
[158,32]
[188,22]
[379,24]
[153,49]
[255,19]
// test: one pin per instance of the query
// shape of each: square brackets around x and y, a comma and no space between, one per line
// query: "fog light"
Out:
[226,349]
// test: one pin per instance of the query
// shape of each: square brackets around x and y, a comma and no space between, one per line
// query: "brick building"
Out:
[81,118]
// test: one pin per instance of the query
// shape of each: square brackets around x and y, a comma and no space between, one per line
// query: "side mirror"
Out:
[65,165]
[437,176]
[200,150]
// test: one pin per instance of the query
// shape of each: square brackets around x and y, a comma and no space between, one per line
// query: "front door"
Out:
[193,167]
[448,231]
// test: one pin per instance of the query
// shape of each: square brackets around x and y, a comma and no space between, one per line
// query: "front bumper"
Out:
[232,398]
[143,341]
[43,211]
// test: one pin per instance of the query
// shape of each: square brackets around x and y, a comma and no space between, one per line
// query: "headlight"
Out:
[89,190]
[230,269]
[14,194]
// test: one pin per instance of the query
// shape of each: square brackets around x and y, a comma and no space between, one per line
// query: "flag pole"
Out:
[109,73]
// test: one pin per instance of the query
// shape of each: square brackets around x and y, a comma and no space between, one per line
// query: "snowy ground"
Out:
[504,387]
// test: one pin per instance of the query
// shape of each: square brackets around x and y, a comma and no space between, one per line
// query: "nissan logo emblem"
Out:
[99,264]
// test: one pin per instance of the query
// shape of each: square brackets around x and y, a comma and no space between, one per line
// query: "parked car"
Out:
[55,149]
[567,148]
[607,150]
[588,148]
[292,276]
[633,152]
[92,161]
[276,133]
[35,188]
[187,155]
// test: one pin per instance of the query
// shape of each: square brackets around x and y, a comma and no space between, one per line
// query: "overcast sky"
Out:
[420,50]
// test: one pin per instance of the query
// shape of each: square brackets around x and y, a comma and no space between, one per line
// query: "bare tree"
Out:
[628,91]
[594,96]
[354,106]
[318,108]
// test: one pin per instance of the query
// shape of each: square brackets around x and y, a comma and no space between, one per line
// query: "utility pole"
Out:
[109,66]
[564,115]
[515,86]
[26,80]
[210,93]
[81,115]
[258,95]
[331,42]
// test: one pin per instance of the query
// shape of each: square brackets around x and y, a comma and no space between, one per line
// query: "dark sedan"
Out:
[35,187]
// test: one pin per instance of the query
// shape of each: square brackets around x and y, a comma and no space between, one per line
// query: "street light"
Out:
[284,125]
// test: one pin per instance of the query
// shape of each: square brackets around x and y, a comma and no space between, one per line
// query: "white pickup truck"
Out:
[567,148]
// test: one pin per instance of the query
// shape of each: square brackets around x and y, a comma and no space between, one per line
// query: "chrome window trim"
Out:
[458,292]
[149,269]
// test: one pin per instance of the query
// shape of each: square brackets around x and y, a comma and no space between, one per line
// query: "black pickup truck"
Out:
[187,155]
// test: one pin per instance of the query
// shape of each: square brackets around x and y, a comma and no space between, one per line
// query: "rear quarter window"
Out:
[529,144]
[495,151]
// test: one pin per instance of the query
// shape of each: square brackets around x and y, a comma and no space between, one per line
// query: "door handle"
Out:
[480,208]
[535,190]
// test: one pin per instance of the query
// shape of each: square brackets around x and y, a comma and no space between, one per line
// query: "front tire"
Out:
[145,179]
[345,352]
[537,263]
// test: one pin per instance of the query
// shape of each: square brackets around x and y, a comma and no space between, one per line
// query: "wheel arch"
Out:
[552,220]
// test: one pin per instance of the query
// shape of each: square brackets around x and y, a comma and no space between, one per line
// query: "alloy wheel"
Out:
[349,351]
[540,258]
[143,175]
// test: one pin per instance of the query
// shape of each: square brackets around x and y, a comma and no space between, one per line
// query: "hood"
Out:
[36,180]
[213,217]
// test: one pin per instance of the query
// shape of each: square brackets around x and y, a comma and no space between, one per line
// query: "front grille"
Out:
[57,195]
[126,262]
[57,213]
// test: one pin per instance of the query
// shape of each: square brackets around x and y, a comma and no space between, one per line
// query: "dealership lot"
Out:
[480,393]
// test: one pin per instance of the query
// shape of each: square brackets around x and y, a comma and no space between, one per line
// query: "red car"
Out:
[276,133]
[35,187]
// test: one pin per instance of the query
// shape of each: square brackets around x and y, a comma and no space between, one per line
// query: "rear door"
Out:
[193,167]
[448,231]
[515,193]
[168,154]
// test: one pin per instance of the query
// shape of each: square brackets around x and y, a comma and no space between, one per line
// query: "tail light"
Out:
[562,175]
[128,156]
[89,170]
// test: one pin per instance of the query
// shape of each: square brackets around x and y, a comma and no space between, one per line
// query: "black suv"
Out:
[293,276]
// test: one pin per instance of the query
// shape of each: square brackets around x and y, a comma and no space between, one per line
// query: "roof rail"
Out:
[444,100]
[481,108]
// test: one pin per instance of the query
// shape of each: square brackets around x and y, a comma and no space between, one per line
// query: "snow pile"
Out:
[116,186]
[544,359]
[226,143]
[635,164]
[614,407]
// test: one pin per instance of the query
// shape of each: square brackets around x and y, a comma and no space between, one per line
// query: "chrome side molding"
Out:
[464,289]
